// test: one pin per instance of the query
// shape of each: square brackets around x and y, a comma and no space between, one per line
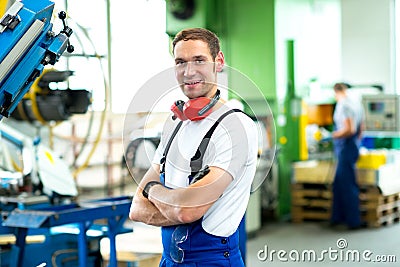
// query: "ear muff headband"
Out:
[212,102]
[194,109]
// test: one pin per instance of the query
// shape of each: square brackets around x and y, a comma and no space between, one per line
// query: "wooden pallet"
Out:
[385,220]
[381,210]
[313,202]
[310,202]
[300,214]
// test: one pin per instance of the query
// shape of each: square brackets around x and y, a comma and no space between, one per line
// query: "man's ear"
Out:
[219,61]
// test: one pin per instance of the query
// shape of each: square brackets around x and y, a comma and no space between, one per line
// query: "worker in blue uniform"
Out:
[348,121]
[199,184]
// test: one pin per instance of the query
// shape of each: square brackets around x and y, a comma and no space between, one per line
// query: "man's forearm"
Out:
[185,205]
[144,211]
[165,207]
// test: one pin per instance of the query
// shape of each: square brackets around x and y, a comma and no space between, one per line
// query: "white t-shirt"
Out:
[233,147]
[348,108]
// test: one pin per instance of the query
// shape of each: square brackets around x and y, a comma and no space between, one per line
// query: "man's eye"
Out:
[199,61]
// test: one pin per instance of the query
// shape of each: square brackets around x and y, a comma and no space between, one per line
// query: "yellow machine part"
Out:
[4,5]
[321,114]
[372,159]
[302,132]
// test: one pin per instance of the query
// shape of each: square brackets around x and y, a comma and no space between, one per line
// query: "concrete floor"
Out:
[304,238]
[383,242]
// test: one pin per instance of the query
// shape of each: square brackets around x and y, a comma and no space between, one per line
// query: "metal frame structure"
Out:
[82,216]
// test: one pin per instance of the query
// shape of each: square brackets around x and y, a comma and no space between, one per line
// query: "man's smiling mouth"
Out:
[192,82]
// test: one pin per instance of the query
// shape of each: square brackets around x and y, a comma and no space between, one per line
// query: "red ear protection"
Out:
[194,109]
[177,109]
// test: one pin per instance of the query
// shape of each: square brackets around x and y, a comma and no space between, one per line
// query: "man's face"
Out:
[335,95]
[195,69]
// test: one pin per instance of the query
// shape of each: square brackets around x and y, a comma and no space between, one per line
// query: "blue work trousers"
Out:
[346,202]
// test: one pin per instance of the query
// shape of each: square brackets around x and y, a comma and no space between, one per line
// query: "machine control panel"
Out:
[382,112]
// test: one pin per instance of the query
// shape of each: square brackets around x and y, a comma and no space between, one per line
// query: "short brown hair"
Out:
[199,34]
[340,87]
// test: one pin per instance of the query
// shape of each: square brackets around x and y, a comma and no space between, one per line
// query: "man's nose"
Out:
[189,69]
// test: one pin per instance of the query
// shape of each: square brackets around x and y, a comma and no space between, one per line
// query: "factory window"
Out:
[139,47]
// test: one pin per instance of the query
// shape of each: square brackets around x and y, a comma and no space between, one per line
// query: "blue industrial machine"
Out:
[71,230]
[28,45]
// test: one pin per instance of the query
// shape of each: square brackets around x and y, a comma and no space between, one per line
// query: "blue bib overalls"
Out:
[346,202]
[198,248]
[202,248]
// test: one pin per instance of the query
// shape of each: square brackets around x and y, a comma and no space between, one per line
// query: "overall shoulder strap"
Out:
[162,161]
[196,161]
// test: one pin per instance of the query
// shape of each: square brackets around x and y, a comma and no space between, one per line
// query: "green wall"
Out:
[250,43]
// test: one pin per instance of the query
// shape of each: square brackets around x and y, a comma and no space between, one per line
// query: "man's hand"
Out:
[348,129]
[142,210]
